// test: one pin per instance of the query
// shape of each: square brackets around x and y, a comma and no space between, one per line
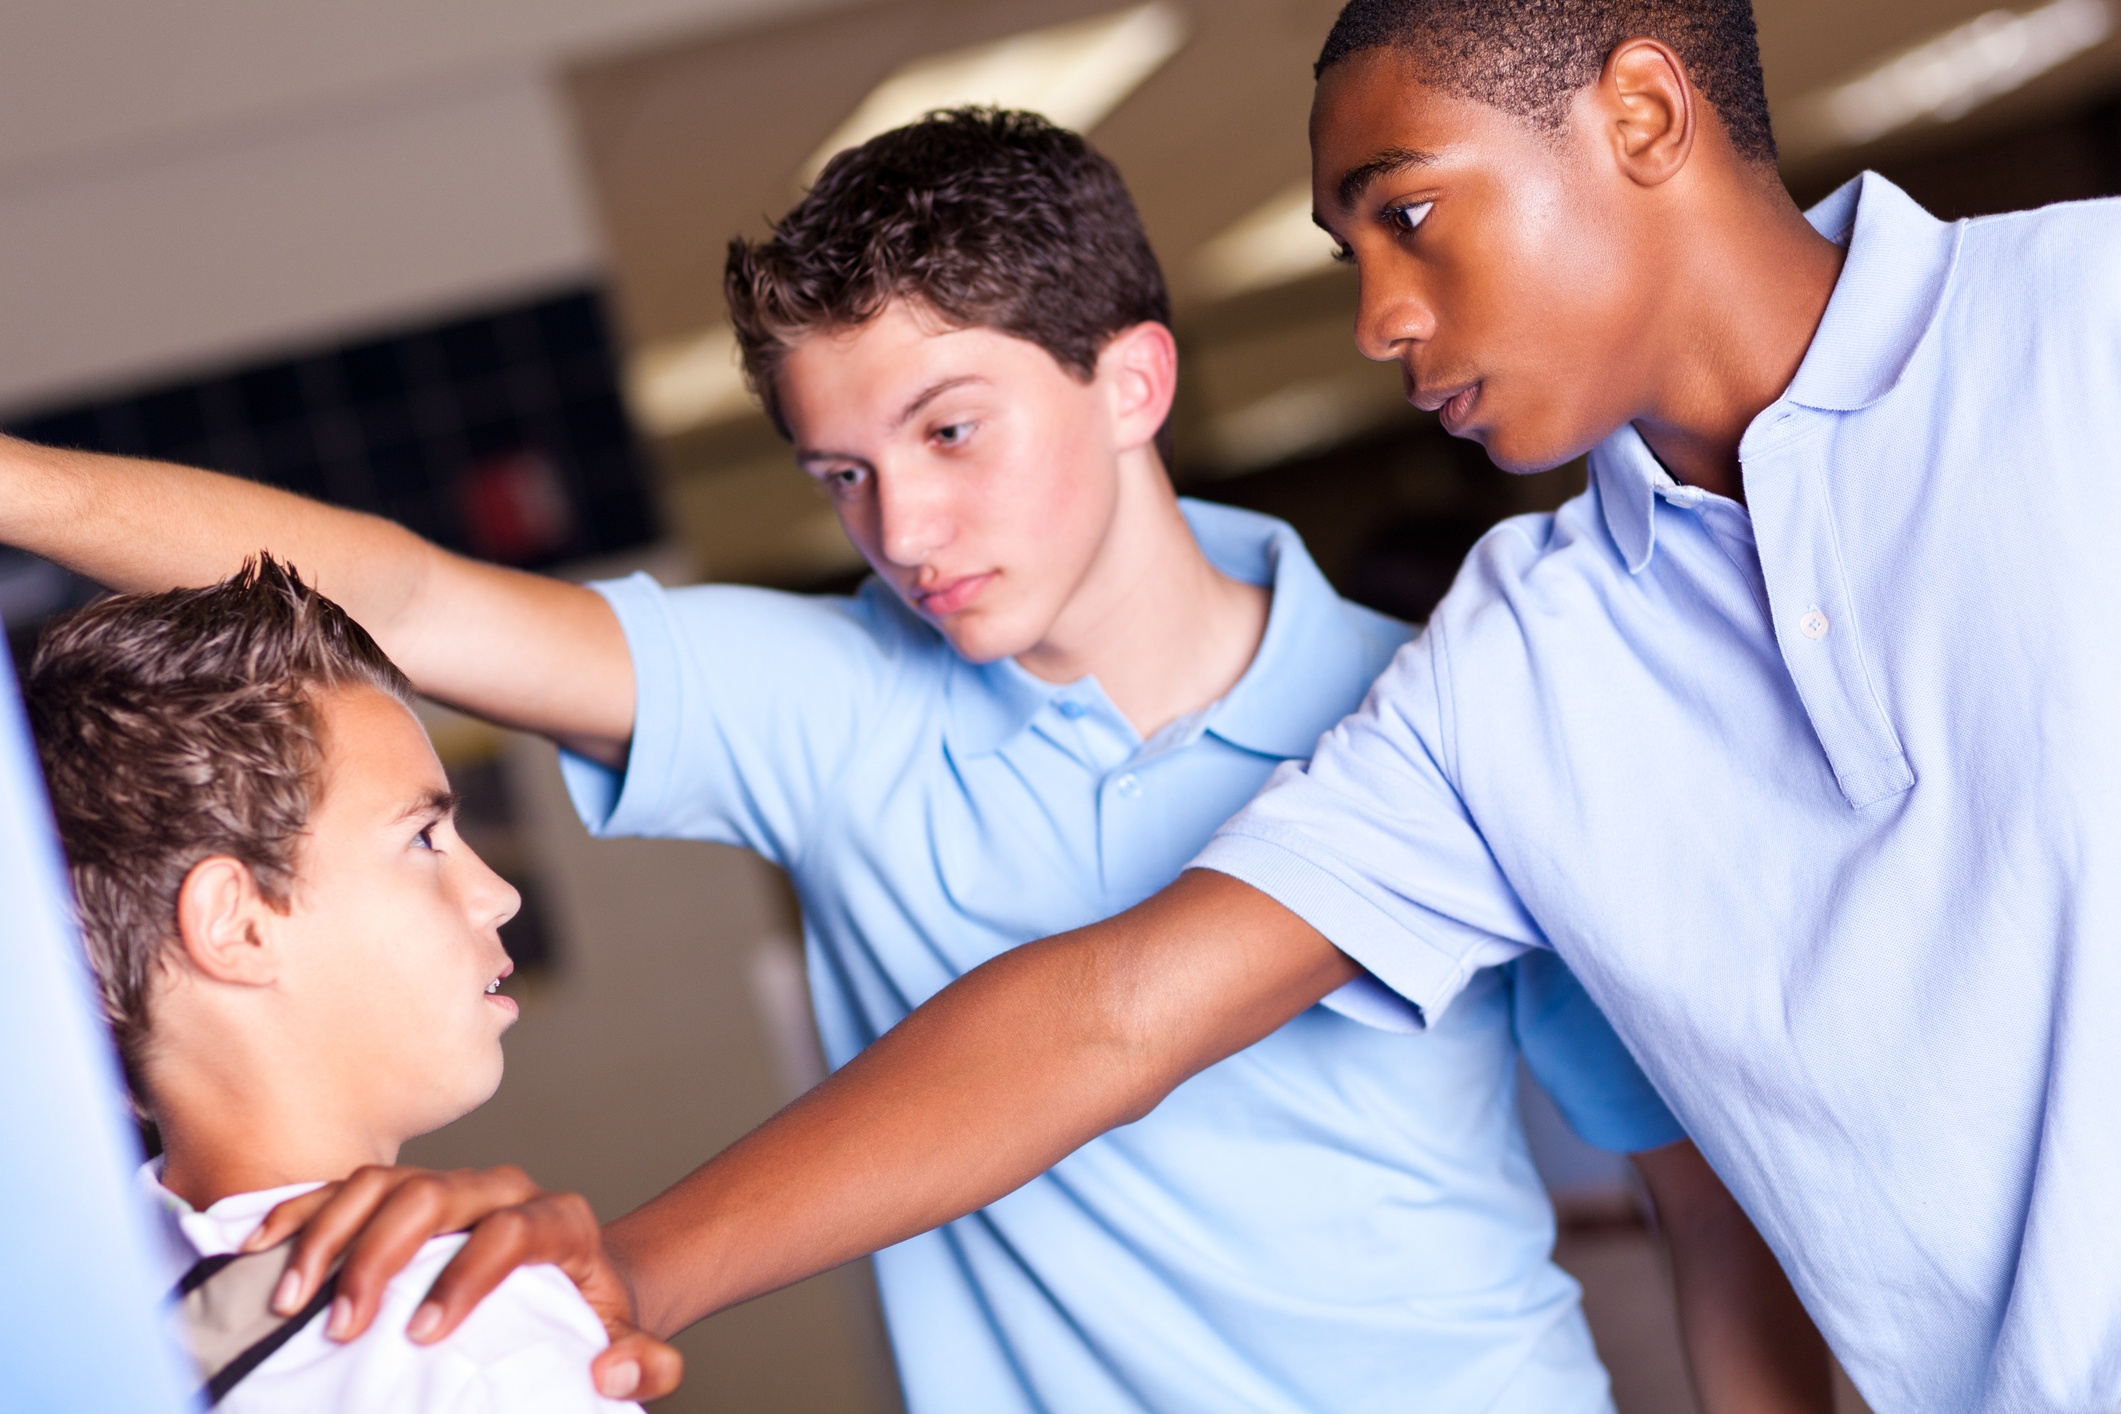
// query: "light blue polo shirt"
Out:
[1821,798]
[1341,1218]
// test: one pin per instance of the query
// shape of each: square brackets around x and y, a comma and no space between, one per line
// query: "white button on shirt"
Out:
[1843,871]
[525,1350]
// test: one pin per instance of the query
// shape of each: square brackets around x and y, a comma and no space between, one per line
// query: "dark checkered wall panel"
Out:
[501,434]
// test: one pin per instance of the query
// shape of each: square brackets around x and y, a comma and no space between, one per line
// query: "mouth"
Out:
[1453,405]
[949,597]
[493,991]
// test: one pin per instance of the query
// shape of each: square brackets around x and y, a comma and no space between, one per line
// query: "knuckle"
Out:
[510,1177]
[507,1224]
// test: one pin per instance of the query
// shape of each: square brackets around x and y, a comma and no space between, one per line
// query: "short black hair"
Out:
[991,218]
[1529,56]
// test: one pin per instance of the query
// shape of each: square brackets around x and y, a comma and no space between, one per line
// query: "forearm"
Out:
[989,1084]
[516,648]
[1750,1345]
[138,526]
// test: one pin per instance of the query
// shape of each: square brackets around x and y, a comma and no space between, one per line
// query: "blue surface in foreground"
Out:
[79,1324]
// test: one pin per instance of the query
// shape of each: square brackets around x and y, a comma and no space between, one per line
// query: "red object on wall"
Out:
[516,508]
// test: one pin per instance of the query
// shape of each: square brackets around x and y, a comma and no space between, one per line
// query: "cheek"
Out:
[1059,495]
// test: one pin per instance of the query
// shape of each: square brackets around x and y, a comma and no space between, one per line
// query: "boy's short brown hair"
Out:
[991,219]
[176,727]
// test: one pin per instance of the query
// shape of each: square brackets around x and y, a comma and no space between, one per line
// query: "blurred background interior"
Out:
[461,265]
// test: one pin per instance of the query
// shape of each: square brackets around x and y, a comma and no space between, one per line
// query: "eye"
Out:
[426,838]
[844,480]
[1407,216]
[1342,254]
[954,434]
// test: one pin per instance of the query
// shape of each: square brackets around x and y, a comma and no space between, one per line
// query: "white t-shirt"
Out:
[525,1350]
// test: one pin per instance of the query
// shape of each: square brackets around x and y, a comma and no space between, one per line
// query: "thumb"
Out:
[636,1365]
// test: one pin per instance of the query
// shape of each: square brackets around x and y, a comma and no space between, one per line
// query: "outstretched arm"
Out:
[989,1084]
[1750,1345]
[516,648]
[986,1086]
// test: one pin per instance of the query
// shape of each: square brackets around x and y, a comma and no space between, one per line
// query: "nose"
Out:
[914,518]
[489,899]
[1390,317]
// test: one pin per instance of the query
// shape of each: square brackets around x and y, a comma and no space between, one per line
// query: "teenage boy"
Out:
[1794,735]
[298,956]
[1061,680]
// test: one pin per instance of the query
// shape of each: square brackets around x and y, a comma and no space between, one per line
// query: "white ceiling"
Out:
[192,181]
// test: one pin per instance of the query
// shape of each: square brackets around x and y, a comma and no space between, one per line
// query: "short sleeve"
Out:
[1573,1052]
[1370,844]
[748,705]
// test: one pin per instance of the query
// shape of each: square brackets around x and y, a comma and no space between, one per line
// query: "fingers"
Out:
[326,1232]
[558,1228]
[284,1221]
[418,1205]
[637,1366]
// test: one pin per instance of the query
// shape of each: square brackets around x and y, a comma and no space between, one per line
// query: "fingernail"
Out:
[341,1318]
[424,1322]
[619,1380]
[287,1296]
[255,1242]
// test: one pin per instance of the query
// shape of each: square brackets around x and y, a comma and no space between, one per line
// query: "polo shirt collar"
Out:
[1900,259]
[1311,661]
[1308,649]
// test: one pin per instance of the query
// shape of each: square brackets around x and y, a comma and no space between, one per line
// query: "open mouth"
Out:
[493,988]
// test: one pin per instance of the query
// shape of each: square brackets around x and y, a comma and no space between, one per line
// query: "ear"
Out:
[1140,367]
[1650,110]
[225,924]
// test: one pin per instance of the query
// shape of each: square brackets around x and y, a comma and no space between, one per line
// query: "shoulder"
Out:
[535,1308]
[1524,565]
[2066,258]
[527,1347]
[2084,228]
[724,621]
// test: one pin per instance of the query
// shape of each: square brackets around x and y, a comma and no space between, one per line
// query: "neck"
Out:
[1744,298]
[1163,631]
[236,1118]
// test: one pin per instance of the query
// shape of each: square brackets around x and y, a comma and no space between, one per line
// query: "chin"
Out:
[1527,453]
[983,639]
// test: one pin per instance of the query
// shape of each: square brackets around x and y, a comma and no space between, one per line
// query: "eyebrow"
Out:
[436,803]
[1390,162]
[929,394]
[925,396]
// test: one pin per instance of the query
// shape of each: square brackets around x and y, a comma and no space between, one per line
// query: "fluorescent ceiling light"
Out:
[681,384]
[1074,74]
[1304,417]
[1950,75]
[1275,245]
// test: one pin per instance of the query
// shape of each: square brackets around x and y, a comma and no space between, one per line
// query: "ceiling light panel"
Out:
[682,384]
[1074,74]
[1947,76]
[1277,244]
